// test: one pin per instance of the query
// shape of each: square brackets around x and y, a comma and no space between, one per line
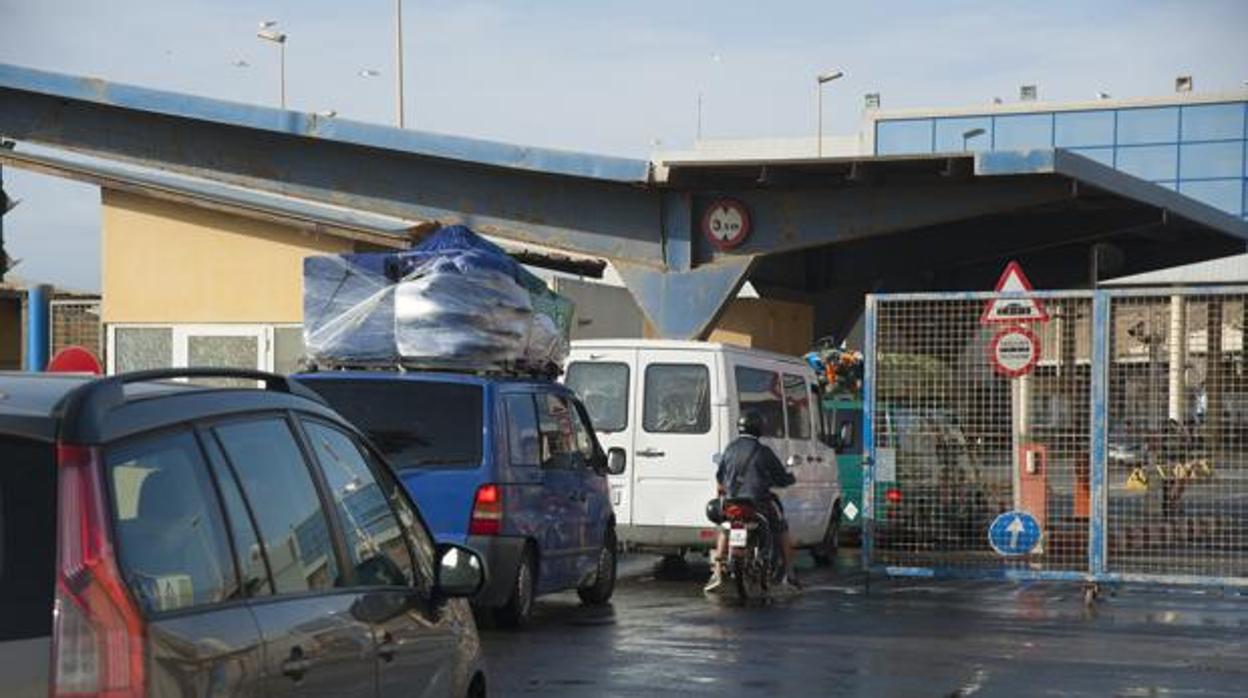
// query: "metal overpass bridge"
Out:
[823,231]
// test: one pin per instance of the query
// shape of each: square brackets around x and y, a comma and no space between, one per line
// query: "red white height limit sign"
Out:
[1003,310]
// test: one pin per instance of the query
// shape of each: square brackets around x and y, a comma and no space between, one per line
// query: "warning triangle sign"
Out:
[1003,310]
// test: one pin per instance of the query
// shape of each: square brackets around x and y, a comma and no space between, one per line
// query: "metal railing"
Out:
[1103,438]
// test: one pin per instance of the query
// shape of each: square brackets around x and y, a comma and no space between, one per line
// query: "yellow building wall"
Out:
[11,334]
[763,323]
[165,262]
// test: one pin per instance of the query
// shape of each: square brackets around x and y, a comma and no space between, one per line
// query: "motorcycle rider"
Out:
[748,468]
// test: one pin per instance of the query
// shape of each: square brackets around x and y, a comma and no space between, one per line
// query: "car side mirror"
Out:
[460,572]
[616,461]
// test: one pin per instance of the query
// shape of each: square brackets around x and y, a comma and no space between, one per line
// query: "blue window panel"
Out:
[1208,122]
[1211,159]
[1226,194]
[1084,128]
[1151,162]
[1105,156]
[1023,131]
[1153,125]
[903,136]
[949,134]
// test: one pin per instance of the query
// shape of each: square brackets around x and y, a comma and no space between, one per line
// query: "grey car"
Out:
[163,538]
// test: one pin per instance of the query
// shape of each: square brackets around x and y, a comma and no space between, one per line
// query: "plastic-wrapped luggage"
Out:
[456,301]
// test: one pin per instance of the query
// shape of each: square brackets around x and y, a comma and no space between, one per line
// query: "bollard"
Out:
[38,327]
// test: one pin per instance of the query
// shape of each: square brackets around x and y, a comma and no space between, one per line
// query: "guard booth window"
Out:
[797,406]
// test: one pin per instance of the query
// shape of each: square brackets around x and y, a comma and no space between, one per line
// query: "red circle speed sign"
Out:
[726,223]
[75,360]
[1014,351]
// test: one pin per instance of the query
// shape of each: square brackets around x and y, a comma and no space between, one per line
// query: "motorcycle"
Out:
[755,561]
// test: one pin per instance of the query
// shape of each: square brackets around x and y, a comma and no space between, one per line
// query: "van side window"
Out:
[558,440]
[759,391]
[375,543]
[522,438]
[603,389]
[584,434]
[172,543]
[797,406]
[677,399]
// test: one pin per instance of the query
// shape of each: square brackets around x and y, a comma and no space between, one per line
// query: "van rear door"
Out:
[673,474]
[606,380]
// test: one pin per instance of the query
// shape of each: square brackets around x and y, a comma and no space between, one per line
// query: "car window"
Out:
[603,389]
[278,485]
[374,537]
[248,553]
[172,546]
[27,538]
[758,391]
[558,439]
[677,399]
[522,436]
[797,406]
[421,543]
[415,424]
[584,434]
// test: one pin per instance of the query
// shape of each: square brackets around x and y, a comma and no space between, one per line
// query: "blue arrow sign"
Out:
[1014,533]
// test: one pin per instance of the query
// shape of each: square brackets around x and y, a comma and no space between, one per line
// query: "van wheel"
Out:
[600,590]
[825,552]
[519,607]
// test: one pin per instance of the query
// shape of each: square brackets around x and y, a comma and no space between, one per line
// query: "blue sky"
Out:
[607,76]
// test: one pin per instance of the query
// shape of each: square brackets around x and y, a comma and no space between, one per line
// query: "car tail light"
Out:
[893,496]
[98,633]
[487,512]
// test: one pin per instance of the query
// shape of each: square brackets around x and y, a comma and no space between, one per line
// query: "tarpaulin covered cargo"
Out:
[455,301]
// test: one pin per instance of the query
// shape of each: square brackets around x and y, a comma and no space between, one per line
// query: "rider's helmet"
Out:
[750,422]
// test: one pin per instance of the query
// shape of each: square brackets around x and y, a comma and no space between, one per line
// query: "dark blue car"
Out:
[510,467]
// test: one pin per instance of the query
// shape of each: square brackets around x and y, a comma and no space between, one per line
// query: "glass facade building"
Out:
[1200,150]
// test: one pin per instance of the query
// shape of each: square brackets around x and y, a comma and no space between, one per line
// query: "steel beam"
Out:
[684,304]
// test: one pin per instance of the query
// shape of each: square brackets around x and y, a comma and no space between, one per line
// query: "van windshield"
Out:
[414,423]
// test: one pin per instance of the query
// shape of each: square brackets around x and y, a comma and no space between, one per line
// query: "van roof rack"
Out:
[520,369]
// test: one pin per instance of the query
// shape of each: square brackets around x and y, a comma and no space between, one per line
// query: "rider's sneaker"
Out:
[787,587]
[716,581]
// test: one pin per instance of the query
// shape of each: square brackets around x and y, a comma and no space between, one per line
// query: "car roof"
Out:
[92,410]
[584,345]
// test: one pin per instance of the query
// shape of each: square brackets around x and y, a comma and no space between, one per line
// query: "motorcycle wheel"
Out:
[739,571]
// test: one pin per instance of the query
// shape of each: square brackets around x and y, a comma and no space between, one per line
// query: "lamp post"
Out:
[968,135]
[268,33]
[398,59]
[820,81]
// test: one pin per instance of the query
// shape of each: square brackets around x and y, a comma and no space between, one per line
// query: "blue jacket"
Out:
[749,468]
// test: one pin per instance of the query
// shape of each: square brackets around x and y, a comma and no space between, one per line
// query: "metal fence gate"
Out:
[1115,423]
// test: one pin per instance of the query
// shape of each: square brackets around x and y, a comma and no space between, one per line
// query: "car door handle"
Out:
[297,665]
[388,648]
[651,453]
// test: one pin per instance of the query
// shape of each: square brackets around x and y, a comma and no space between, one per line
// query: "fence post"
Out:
[1098,447]
[868,436]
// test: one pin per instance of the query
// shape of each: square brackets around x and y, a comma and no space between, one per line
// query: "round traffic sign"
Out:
[75,360]
[1014,351]
[726,223]
[1014,533]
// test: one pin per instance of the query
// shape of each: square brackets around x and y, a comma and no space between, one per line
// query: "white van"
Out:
[673,407]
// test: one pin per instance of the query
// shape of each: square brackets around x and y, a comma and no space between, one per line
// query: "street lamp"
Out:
[398,59]
[268,33]
[820,80]
[968,135]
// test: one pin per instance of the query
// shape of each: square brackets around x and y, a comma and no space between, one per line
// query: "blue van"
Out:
[510,467]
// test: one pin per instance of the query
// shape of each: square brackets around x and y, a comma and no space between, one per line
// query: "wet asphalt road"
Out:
[903,638]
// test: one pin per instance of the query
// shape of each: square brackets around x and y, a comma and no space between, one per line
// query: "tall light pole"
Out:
[398,59]
[820,81]
[968,135]
[268,33]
